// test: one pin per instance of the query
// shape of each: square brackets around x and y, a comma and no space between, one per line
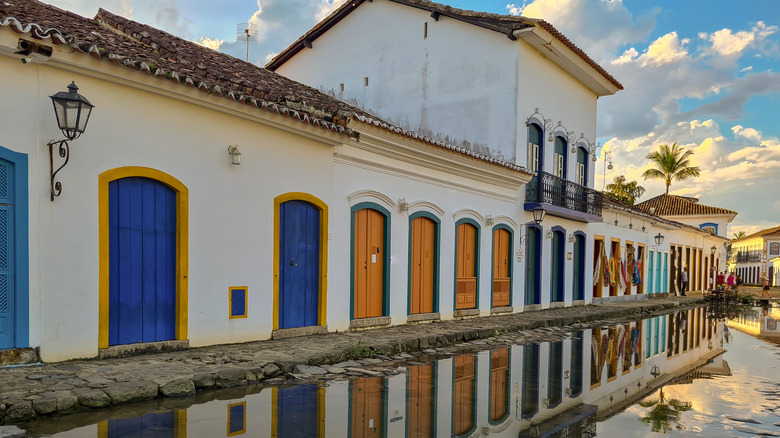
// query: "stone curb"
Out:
[43,393]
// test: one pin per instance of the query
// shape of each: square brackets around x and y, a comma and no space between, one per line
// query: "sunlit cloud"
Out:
[212,44]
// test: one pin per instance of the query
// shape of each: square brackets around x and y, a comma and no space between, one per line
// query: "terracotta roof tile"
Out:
[672,205]
[505,24]
[769,232]
[158,53]
[638,210]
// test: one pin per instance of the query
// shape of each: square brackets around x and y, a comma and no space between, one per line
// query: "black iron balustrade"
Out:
[748,257]
[548,188]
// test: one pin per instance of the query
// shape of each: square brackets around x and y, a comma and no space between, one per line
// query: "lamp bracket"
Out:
[63,150]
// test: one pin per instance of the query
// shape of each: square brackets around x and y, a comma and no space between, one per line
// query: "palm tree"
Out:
[664,416]
[625,192]
[739,235]
[671,163]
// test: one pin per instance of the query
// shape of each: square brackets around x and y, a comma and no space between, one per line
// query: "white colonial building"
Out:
[757,256]
[212,201]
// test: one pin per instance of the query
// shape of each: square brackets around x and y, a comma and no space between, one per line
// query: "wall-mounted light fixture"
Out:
[235,154]
[659,239]
[655,371]
[713,249]
[539,214]
[72,111]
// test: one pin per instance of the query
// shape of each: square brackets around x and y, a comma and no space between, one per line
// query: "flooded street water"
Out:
[666,374]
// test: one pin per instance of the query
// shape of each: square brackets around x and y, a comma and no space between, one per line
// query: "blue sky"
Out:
[702,73]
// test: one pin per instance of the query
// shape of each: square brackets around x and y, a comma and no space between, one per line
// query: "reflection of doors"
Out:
[297,412]
[499,384]
[420,401]
[369,263]
[466,285]
[530,390]
[7,257]
[299,264]
[501,257]
[367,408]
[555,386]
[423,265]
[162,425]
[463,413]
[613,288]
[142,242]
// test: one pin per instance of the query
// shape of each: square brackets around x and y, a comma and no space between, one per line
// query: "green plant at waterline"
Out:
[359,350]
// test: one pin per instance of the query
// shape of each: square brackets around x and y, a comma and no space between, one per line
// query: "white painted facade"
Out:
[752,258]
[459,83]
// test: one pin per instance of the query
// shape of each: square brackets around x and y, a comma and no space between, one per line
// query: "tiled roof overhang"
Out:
[152,51]
[671,205]
[504,24]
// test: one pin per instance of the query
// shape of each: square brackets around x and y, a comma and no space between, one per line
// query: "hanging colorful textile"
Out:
[622,277]
[604,347]
[636,278]
[609,272]
[597,270]
[635,344]
[611,348]
[621,340]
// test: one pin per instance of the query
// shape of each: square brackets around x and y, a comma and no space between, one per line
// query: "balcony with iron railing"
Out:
[747,257]
[563,198]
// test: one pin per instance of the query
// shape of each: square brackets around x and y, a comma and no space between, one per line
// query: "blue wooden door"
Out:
[142,242]
[557,292]
[299,264]
[7,279]
[533,267]
[296,410]
[579,267]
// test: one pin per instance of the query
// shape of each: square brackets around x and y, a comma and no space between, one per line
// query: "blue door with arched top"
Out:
[142,267]
[7,257]
[299,264]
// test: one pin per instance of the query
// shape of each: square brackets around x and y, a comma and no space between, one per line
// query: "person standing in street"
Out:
[731,281]
[765,290]
[684,281]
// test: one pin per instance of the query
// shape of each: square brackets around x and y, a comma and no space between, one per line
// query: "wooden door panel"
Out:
[463,395]
[420,400]
[367,408]
[423,265]
[369,263]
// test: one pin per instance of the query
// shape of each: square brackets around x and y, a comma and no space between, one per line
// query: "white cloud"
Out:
[513,9]
[212,44]
[746,132]
[746,69]
[666,49]
[327,7]
[628,56]
[728,43]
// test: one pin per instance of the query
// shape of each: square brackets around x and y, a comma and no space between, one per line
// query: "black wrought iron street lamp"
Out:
[655,371]
[713,249]
[659,239]
[538,213]
[72,111]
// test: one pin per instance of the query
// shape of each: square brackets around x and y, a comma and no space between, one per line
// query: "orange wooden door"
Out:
[423,268]
[369,263]
[420,401]
[466,283]
[463,395]
[499,373]
[367,412]
[501,257]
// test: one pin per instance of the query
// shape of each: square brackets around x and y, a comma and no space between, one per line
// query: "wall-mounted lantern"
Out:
[713,249]
[72,111]
[659,239]
[235,154]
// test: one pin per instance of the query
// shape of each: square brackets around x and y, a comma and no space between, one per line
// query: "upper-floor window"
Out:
[709,229]
[559,161]
[774,248]
[581,176]
[535,147]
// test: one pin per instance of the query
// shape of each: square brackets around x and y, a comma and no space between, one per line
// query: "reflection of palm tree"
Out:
[663,416]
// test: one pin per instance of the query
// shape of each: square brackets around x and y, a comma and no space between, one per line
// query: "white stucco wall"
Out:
[463,84]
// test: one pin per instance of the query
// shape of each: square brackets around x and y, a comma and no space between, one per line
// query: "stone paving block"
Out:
[12,432]
[92,398]
[230,377]
[127,392]
[178,388]
[271,370]
[308,369]
[204,380]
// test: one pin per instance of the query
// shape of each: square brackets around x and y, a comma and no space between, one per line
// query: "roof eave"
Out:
[554,50]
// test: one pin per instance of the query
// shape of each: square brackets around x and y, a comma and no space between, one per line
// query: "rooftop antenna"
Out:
[246,31]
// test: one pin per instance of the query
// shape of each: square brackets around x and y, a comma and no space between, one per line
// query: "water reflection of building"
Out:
[760,322]
[541,389]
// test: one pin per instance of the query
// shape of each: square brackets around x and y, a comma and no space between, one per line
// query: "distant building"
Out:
[757,256]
